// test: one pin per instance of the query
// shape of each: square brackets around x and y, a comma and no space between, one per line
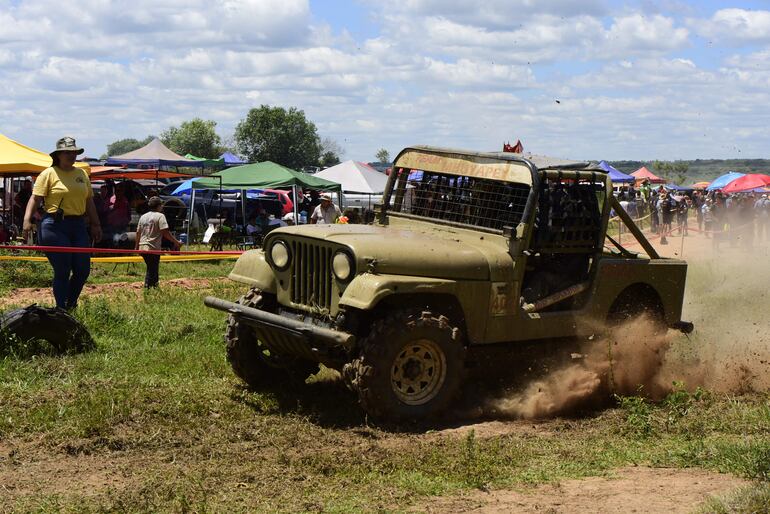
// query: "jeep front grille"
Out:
[311,275]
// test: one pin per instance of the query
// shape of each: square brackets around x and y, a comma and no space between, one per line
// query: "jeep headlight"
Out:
[279,254]
[342,266]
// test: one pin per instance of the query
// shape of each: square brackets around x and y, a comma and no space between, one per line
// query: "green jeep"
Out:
[469,249]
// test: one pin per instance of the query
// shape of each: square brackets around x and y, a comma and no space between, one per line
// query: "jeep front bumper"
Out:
[284,335]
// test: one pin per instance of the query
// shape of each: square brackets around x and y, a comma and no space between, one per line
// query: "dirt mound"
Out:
[628,490]
[44,295]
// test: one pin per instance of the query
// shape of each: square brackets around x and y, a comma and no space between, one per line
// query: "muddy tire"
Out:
[409,367]
[251,359]
[36,330]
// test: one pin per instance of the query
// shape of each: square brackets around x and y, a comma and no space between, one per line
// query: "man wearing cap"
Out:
[68,204]
[325,212]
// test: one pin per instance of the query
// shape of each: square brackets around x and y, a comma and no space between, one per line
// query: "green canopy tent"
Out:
[263,175]
[207,163]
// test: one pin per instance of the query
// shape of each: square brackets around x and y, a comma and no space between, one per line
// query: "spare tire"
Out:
[37,330]
[175,211]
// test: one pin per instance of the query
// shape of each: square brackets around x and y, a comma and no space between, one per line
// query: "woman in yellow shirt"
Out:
[67,200]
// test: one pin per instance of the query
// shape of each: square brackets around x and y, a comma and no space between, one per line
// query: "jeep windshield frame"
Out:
[458,188]
[491,192]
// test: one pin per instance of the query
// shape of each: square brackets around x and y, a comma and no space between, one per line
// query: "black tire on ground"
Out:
[251,359]
[409,367]
[34,330]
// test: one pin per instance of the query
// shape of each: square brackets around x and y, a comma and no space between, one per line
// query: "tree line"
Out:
[284,136]
[685,172]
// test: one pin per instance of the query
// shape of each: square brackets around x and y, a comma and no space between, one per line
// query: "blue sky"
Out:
[595,79]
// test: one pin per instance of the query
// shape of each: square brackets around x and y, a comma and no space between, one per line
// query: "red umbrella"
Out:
[747,183]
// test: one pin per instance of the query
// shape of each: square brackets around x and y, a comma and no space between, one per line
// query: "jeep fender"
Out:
[251,268]
[368,290]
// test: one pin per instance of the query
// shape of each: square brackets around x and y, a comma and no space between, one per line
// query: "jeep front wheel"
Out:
[409,367]
[251,358]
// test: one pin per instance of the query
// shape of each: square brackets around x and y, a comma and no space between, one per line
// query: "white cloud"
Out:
[735,26]
[450,72]
[638,34]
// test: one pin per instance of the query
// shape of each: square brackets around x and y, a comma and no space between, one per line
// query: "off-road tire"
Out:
[29,326]
[422,341]
[250,358]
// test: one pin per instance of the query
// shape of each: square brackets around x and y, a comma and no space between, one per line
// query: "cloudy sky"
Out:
[589,79]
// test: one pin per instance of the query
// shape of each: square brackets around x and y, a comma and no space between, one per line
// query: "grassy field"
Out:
[154,420]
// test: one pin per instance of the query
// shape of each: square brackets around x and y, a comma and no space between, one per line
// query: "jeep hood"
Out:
[440,252]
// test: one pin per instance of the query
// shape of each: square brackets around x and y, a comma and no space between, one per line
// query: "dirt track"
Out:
[44,296]
[626,490]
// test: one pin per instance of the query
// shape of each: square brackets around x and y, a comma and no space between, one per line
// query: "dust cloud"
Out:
[728,299]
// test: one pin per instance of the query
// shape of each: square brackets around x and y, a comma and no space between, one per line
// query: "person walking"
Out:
[666,214]
[325,212]
[68,204]
[150,232]
[762,216]
[707,213]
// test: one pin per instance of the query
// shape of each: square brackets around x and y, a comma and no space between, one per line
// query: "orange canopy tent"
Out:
[109,172]
[643,174]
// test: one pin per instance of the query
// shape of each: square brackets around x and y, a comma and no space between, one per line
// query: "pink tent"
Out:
[643,174]
[748,182]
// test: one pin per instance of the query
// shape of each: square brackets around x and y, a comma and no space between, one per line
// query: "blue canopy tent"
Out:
[185,187]
[615,175]
[231,159]
[676,187]
[725,179]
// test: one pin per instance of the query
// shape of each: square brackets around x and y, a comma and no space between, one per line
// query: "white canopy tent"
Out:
[355,177]
[361,184]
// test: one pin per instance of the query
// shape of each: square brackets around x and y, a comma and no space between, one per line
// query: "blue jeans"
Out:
[70,270]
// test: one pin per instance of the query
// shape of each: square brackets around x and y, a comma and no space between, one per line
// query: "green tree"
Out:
[130,144]
[284,136]
[328,159]
[331,152]
[197,137]
[382,155]
[672,171]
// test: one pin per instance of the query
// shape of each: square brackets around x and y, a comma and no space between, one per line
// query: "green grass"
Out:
[158,398]
[753,499]
[157,404]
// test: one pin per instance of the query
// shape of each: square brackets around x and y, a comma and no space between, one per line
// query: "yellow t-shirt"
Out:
[63,189]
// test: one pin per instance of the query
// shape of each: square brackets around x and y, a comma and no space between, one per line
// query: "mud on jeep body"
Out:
[469,249]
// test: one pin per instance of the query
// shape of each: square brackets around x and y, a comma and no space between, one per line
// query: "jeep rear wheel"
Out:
[251,358]
[409,367]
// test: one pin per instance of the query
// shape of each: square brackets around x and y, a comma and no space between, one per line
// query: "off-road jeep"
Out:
[469,249]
